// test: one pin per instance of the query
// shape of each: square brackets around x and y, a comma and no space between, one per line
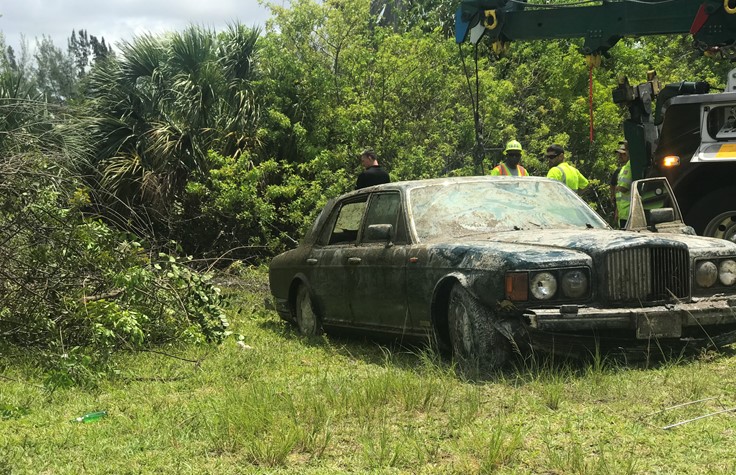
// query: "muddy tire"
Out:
[478,347]
[307,319]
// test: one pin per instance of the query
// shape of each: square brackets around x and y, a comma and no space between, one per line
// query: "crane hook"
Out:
[492,14]
[729,9]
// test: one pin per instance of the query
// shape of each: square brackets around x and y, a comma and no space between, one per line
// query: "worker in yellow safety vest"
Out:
[623,187]
[562,171]
[510,165]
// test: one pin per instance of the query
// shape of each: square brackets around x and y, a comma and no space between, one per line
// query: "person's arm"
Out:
[613,182]
[582,181]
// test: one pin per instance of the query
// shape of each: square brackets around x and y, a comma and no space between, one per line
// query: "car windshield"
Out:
[473,207]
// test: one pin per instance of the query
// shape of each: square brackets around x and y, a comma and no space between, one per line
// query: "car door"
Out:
[328,261]
[377,271]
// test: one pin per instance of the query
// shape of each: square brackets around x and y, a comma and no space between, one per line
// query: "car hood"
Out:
[597,240]
[579,245]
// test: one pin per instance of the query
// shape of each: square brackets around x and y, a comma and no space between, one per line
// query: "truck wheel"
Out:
[307,319]
[715,215]
[722,226]
[476,344]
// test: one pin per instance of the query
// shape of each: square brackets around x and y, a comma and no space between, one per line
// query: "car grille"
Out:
[646,274]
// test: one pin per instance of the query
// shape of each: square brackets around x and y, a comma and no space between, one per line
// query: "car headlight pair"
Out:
[545,285]
[708,273]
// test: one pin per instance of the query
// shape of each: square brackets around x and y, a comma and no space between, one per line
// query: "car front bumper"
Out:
[664,321]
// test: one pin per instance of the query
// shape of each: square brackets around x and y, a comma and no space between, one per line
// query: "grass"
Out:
[285,404]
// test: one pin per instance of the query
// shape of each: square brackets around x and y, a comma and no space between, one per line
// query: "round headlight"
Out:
[574,284]
[543,286]
[706,274]
[727,272]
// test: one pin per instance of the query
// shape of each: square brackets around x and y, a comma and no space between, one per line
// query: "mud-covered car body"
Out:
[476,259]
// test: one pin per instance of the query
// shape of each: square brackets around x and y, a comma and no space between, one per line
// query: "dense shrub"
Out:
[248,211]
[76,289]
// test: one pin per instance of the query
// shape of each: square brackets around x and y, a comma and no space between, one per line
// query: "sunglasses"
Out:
[550,157]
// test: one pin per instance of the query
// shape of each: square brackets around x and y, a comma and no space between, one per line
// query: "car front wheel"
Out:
[477,345]
[307,319]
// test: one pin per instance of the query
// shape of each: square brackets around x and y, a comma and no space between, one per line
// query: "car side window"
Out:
[383,209]
[346,224]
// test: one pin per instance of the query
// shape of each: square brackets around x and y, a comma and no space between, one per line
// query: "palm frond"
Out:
[141,57]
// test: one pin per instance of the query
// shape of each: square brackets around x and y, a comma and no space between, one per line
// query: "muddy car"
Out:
[486,266]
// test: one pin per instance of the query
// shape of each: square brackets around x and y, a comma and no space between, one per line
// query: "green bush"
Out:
[251,211]
[74,290]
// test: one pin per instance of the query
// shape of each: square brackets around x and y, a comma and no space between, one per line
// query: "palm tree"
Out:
[163,103]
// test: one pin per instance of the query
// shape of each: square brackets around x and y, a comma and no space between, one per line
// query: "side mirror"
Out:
[379,232]
[654,207]
[661,215]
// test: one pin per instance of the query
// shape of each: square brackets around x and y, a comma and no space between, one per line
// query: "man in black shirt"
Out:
[373,173]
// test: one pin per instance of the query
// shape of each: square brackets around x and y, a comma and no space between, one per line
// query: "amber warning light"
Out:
[671,161]
[517,286]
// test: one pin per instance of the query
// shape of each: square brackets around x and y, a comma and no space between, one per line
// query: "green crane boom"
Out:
[711,22]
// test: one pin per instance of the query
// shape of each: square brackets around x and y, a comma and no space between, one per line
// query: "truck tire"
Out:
[478,347]
[714,215]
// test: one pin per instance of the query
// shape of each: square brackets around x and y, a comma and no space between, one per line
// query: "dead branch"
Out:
[106,296]
[676,424]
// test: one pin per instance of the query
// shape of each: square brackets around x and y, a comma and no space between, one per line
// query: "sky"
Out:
[117,20]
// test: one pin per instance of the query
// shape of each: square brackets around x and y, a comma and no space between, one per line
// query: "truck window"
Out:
[721,122]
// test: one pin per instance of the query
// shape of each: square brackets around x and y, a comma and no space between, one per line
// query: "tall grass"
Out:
[280,403]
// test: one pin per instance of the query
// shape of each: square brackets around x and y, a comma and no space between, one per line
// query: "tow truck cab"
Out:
[696,151]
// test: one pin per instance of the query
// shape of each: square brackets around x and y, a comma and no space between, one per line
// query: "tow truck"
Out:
[680,131]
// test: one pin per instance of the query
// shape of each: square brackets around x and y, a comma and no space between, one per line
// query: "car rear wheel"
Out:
[477,345]
[307,319]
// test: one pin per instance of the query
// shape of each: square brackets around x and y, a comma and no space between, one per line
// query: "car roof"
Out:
[410,184]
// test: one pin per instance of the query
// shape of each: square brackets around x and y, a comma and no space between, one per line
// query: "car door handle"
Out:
[354,260]
[311,261]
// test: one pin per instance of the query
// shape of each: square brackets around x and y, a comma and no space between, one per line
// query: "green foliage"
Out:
[76,290]
[333,82]
[158,108]
[12,412]
[230,142]
[193,305]
[245,210]
[55,72]
[351,85]
[85,51]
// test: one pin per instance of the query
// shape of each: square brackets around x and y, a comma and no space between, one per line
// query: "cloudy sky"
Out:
[119,19]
